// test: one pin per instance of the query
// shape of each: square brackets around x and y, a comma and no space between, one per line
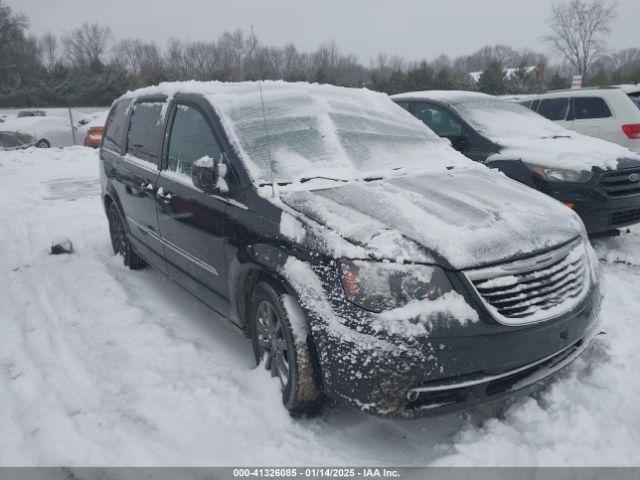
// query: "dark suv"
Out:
[598,179]
[366,259]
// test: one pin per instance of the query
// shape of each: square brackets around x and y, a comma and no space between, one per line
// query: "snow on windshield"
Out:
[500,118]
[318,130]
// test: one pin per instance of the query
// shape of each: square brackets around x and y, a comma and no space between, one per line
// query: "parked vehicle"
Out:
[95,130]
[610,113]
[15,140]
[31,113]
[49,131]
[366,259]
[597,179]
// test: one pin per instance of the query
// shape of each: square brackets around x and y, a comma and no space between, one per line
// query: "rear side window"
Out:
[116,126]
[190,139]
[635,97]
[590,107]
[146,131]
[554,108]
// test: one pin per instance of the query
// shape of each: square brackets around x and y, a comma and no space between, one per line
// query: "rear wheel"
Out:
[286,357]
[119,241]
[43,143]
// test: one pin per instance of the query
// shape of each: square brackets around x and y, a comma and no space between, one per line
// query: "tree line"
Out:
[89,66]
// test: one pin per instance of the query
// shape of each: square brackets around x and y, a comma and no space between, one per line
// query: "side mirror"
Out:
[459,142]
[209,175]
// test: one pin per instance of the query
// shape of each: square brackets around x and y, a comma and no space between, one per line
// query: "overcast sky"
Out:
[413,29]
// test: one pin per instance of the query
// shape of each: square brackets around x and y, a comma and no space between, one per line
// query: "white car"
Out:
[48,131]
[611,113]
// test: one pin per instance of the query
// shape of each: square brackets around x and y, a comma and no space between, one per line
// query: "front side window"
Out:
[438,120]
[590,107]
[190,139]
[146,131]
[554,108]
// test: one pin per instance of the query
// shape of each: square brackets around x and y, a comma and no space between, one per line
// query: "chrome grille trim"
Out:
[532,290]
[618,183]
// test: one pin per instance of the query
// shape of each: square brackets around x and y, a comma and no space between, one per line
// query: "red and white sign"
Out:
[577,81]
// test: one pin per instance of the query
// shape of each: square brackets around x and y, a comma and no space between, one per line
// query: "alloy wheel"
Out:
[271,341]
[116,232]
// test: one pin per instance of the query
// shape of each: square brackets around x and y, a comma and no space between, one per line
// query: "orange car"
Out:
[94,137]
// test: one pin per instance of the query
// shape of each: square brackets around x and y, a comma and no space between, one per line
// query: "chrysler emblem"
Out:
[634,177]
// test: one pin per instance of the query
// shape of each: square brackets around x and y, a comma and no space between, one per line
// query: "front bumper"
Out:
[598,211]
[441,374]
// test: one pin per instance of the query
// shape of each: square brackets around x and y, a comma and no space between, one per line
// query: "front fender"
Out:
[246,265]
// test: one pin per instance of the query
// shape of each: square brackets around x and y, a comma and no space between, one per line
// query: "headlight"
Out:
[378,286]
[561,174]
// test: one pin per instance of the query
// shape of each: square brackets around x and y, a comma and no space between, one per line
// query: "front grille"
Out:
[621,183]
[534,289]
[624,217]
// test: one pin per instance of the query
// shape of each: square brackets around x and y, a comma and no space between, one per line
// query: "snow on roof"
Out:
[285,131]
[447,96]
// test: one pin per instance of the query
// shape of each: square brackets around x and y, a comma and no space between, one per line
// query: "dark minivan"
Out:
[598,179]
[366,259]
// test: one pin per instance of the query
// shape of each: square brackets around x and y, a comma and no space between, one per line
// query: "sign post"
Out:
[576,82]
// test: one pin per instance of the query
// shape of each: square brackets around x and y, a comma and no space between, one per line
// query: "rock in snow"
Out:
[61,245]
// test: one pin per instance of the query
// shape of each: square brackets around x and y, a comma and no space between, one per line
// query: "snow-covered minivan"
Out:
[366,259]
[599,180]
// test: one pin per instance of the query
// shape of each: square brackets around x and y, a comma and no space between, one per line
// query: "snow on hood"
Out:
[525,135]
[462,218]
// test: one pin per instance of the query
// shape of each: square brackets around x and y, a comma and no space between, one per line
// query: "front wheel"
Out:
[287,357]
[119,241]
[43,143]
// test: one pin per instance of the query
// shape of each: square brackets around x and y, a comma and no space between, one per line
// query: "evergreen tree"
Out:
[493,80]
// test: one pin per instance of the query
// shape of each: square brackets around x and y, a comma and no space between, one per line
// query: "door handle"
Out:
[147,187]
[162,196]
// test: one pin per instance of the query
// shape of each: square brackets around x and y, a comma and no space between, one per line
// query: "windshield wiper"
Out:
[307,179]
[269,184]
[554,137]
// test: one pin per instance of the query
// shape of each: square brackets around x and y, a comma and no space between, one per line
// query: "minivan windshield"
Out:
[300,131]
[497,118]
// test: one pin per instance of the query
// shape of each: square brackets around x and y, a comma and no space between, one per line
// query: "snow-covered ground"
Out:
[100,365]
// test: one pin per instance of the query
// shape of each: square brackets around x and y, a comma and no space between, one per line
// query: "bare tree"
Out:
[577,29]
[87,44]
[48,44]
[143,60]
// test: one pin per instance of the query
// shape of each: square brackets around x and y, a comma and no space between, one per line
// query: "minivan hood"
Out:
[569,150]
[461,219]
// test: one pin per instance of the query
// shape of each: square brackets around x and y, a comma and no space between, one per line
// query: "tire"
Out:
[287,358]
[42,143]
[119,240]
